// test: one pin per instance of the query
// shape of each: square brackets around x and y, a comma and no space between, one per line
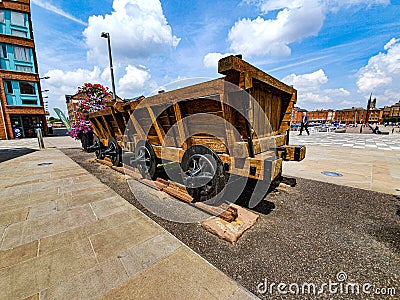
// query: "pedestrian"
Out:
[304,124]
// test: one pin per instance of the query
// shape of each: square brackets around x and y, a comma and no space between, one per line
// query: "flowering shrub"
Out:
[91,99]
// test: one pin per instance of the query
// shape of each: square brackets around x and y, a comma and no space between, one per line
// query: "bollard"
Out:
[40,138]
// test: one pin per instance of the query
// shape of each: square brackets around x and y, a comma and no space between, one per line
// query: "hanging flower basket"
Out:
[92,98]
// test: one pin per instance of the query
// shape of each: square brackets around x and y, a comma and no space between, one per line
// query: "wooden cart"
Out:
[237,124]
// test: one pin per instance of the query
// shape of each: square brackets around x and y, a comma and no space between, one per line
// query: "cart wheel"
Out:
[146,160]
[99,147]
[204,175]
[87,141]
[115,152]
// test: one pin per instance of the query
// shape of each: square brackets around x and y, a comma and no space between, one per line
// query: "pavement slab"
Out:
[34,275]
[178,276]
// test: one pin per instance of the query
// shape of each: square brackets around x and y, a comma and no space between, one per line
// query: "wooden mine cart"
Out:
[237,124]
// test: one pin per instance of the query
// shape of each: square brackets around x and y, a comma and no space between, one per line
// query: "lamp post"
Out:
[106,35]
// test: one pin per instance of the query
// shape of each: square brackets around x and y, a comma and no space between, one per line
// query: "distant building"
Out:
[391,113]
[22,109]
[297,115]
[322,116]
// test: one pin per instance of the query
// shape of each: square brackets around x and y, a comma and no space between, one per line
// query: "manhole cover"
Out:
[332,174]
[45,164]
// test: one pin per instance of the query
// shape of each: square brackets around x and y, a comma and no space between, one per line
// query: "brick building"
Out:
[322,115]
[391,113]
[297,115]
[22,109]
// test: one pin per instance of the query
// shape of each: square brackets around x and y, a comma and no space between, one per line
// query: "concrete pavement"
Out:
[65,235]
[366,161]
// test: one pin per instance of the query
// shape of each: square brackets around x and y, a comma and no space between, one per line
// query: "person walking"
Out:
[304,124]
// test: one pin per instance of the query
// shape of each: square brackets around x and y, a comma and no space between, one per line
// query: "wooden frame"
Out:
[244,100]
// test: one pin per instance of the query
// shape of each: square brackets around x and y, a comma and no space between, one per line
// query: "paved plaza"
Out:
[366,161]
[389,142]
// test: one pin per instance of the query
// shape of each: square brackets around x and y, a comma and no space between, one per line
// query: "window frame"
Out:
[32,84]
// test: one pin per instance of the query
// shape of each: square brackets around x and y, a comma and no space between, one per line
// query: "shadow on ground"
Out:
[7,154]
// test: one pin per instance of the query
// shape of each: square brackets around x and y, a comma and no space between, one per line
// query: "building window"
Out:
[27,88]
[20,33]
[1,16]
[24,68]
[3,51]
[17,18]
[8,87]
[29,101]
[22,54]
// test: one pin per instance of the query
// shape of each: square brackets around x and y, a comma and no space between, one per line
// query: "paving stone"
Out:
[2,230]
[30,230]
[182,275]
[232,231]
[119,239]
[22,201]
[42,209]
[242,294]
[141,256]
[90,284]
[19,254]
[81,197]
[13,216]
[37,274]
[63,239]
[109,206]
[33,297]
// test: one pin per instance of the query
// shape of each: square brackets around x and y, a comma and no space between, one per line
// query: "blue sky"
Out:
[334,52]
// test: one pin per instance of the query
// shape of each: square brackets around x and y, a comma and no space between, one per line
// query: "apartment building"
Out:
[22,107]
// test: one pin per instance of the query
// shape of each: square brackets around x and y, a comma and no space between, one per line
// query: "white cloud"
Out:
[211,59]
[311,81]
[382,74]
[50,7]
[138,28]
[133,82]
[310,92]
[295,20]
[63,83]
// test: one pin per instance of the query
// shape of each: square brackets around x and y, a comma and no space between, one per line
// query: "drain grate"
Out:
[45,164]
[331,174]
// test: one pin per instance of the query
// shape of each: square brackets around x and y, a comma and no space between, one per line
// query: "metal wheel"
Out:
[204,175]
[114,151]
[146,160]
[98,146]
[87,141]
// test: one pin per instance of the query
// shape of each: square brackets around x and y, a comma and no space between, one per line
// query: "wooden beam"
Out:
[103,112]
[159,130]
[240,149]
[138,128]
[181,127]
[233,64]
[213,87]
[103,132]
[117,122]
[108,128]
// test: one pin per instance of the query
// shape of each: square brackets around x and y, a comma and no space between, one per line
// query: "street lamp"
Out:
[45,77]
[106,35]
